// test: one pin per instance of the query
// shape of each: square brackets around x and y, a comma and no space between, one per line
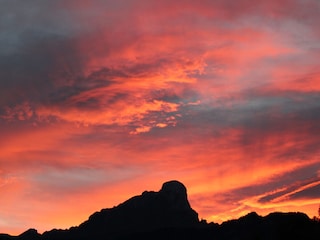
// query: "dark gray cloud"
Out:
[312,192]
[258,115]
[36,47]
[30,74]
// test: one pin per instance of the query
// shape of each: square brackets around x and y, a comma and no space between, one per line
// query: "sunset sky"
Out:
[103,99]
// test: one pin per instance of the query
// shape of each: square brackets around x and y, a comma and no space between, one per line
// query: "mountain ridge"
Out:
[167,214]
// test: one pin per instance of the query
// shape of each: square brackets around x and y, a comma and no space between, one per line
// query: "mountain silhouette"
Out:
[167,214]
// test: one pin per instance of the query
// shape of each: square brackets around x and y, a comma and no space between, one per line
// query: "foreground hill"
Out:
[167,215]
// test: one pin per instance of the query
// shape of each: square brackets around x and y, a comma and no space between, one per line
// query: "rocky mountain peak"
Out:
[176,194]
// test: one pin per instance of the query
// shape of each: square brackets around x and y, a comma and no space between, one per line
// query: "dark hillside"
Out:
[167,215]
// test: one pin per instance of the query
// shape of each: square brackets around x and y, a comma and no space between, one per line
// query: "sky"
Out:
[101,100]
